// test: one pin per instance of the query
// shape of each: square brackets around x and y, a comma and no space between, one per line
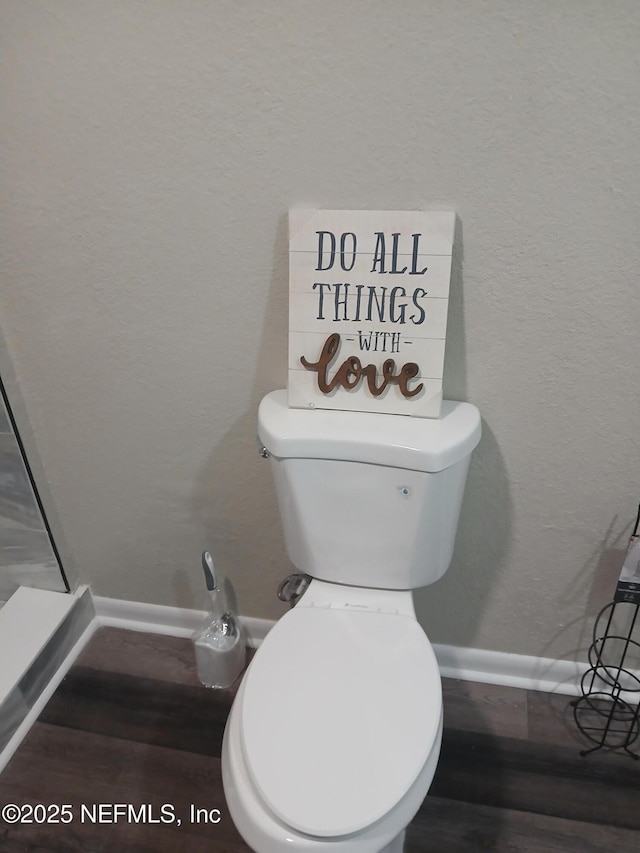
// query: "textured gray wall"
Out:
[151,152]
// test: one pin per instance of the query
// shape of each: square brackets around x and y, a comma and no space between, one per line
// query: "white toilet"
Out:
[334,735]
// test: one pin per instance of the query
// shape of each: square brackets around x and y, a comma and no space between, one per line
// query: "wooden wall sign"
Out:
[368,301]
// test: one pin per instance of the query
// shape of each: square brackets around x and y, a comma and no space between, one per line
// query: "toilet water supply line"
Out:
[293,588]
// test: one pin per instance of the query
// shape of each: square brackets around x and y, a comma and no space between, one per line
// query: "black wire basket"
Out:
[608,712]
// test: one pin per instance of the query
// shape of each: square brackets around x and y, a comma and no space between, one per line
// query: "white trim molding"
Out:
[488,667]
[529,673]
[161,619]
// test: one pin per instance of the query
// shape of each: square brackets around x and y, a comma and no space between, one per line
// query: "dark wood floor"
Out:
[130,724]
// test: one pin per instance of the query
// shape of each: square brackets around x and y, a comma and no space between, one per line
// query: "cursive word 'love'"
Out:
[352,371]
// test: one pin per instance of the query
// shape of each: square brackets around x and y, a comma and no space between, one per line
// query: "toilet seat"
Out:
[340,712]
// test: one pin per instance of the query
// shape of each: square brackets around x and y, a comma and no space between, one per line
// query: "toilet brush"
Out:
[219,645]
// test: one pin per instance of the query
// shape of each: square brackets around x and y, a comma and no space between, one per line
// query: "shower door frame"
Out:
[19,422]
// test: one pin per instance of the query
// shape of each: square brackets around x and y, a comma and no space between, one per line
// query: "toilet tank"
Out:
[369,499]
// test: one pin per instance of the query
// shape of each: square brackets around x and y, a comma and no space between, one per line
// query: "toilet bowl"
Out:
[334,735]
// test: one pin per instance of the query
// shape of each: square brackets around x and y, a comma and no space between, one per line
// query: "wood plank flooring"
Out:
[130,724]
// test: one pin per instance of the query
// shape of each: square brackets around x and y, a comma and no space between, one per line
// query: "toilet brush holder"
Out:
[220,647]
[220,655]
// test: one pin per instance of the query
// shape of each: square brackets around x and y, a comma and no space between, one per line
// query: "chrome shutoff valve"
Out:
[293,588]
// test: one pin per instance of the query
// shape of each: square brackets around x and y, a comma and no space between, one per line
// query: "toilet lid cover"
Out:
[340,712]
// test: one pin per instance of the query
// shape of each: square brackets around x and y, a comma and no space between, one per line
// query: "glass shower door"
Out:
[28,554]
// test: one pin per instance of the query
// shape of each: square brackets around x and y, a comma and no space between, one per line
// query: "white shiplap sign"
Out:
[368,300]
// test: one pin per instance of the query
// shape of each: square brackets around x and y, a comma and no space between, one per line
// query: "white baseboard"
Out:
[161,619]
[488,667]
[529,673]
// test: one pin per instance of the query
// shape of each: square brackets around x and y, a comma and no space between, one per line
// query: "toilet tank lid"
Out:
[399,441]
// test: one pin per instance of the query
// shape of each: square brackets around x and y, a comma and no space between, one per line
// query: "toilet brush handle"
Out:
[217,609]
[209,570]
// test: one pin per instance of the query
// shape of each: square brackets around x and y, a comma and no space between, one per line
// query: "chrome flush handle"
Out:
[262,450]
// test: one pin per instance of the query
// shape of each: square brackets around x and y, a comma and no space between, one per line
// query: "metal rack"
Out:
[608,712]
